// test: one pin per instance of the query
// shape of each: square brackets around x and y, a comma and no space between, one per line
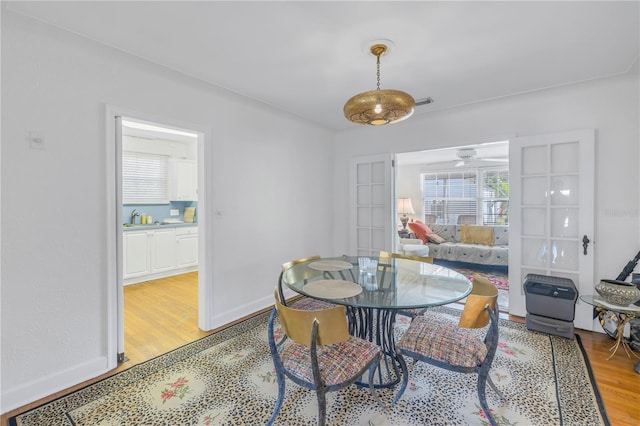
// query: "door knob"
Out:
[585,244]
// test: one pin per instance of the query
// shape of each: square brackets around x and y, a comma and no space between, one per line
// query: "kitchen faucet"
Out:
[134,213]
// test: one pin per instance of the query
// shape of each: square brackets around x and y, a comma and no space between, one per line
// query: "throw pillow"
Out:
[435,238]
[420,229]
[475,234]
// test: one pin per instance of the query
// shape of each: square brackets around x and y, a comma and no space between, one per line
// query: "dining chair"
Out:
[317,352]
[304,302]
[411,313]
[467,219]
[456,347]
[430,218]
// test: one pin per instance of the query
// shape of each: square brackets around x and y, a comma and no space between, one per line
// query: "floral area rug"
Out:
[498,276]
[228,379]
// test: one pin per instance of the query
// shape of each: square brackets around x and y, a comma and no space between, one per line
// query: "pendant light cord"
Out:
[378,73]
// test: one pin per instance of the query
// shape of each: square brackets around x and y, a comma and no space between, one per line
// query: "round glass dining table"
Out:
[373,298]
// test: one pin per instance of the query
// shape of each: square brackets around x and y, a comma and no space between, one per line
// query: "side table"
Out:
[404,233]
[624,314]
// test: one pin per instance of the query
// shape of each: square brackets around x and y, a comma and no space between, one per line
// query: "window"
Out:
[469,196]
[495,197]
[144,178]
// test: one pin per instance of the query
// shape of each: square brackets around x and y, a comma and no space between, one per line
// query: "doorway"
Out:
[143,129]
[451,187]
[160,228]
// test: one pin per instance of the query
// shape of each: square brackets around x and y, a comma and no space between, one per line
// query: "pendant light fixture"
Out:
[379,107]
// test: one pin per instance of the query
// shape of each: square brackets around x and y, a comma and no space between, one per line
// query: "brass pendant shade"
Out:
[379,107]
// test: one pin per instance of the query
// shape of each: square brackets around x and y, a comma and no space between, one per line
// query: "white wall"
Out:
[408,185]
[610,105]
[271,179]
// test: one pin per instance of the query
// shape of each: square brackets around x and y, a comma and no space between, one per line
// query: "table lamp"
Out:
[405,208]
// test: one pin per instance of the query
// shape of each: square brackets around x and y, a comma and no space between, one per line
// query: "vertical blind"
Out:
[144,178]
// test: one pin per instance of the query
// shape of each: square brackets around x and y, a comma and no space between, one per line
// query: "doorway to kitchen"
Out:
[158,192]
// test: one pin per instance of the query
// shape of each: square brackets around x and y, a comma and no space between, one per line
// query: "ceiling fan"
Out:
[469,155]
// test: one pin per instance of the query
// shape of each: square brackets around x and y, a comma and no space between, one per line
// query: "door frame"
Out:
[114,264]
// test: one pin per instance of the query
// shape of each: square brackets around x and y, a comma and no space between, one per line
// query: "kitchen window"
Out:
[145,178]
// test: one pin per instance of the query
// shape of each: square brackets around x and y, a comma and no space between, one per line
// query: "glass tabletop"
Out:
[598,301]
[399,283]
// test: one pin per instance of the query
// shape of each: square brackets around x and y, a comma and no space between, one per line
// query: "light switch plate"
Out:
[174,212]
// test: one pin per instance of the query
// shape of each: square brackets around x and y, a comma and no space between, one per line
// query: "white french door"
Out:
[551,221]
[371,204]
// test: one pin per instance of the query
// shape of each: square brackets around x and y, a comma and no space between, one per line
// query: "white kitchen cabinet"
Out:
[163,249]
[186,246]
[159,252]
[136,254]
[183,180]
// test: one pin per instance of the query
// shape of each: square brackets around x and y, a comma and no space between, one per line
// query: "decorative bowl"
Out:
[619,293]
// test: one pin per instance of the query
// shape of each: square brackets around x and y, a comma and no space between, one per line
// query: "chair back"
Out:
[467,219]
[430,218]
[390,255]
[285,268]
[289,265]
[483,294]
[298,324]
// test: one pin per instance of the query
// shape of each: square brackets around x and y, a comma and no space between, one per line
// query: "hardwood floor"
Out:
[618,383]
[161,315]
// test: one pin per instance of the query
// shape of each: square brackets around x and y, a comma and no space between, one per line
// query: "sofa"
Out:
[413,247]
[487,245]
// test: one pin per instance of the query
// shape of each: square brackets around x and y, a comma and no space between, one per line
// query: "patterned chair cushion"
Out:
[441,339]
[338,362]
[309,304]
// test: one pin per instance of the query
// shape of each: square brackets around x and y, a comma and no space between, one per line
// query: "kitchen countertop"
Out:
[138,227]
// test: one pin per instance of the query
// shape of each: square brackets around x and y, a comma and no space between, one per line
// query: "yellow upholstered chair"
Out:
[445,344]
[317,352]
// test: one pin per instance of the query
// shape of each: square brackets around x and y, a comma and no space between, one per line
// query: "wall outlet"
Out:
[174,212]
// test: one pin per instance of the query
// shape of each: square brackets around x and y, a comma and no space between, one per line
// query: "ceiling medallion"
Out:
[379,107]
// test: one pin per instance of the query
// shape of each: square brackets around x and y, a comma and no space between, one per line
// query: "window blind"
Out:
[449,195]
[144,178]
[457,195]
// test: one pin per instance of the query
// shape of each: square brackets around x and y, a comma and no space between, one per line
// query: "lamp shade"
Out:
[404,206]
[379,107]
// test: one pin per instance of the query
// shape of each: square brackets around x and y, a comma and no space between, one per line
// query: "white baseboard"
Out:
[26,393]
[241,311]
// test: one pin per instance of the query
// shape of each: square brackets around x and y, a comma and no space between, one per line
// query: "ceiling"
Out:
[308,58]
[449,156]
